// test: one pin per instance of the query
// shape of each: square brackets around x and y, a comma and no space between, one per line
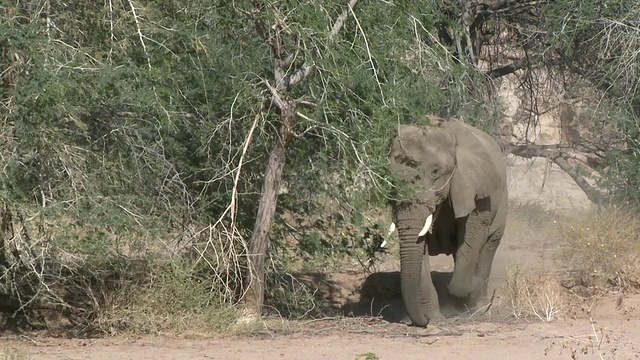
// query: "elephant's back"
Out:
[492,148]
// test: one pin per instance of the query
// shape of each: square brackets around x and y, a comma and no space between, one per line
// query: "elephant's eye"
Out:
[437,170]
[411,163]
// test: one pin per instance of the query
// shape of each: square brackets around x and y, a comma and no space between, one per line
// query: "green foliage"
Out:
[124,124]
[337,237]
[598,41]
[622,171]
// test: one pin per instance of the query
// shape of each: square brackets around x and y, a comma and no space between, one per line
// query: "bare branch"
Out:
[555,154]
[275,96]
[506,70]
[306,68]
[302,73]
[341,19]
[501,6]
[139,31]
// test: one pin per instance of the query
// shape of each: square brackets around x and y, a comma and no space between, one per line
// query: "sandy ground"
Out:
[618,339]
[377,329]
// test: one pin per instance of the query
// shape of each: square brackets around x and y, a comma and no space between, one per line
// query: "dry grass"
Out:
[529,291]
[603,248]
[596,251]
[14,354]
[170,300]
[600,343]
[530,295]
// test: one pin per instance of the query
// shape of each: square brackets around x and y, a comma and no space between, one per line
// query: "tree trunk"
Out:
[6,227]
[284,81]
[259,243]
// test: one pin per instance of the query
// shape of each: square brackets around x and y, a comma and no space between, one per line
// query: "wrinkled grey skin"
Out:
[460,177]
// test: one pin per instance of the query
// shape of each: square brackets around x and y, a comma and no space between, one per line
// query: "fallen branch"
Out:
[556,154]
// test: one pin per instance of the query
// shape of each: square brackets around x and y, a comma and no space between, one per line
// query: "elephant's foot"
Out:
[460,288]
[474,305]
[456,305]
[483,303]
[471,298]
[438,319]
[434,318]
[483,308]
[478,300]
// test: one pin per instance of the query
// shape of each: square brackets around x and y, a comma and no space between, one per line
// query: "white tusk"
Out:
[392,228]
[427,226]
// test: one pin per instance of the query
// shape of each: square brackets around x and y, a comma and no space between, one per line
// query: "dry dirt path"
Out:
[559,340]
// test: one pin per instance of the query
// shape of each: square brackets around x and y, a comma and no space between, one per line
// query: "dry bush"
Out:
[90,282]
[170,300]
[529,295]
[291,297]
[194,291]
[603,248]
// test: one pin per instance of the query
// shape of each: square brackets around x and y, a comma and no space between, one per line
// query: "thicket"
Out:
[135,135]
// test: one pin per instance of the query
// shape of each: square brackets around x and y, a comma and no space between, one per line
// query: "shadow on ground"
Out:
[531,239]
[378,295]
[381,296]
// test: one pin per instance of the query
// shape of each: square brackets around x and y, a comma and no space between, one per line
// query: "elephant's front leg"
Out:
[483,268]
[472,236]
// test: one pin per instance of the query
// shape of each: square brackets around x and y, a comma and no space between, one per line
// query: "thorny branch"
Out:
[285,80]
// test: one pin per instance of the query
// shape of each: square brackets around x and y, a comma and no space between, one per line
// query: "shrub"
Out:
[531,295]
[603,247]
[169,297]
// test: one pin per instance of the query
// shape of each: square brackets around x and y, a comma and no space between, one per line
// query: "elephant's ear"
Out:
[475,176]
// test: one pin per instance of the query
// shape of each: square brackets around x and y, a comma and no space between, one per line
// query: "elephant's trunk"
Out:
[417,288]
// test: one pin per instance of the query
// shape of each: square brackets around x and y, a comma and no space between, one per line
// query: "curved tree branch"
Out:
[557,155]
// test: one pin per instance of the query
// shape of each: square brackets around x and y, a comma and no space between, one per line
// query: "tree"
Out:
[286,78]
[353,85]
[577,44]
[147,123]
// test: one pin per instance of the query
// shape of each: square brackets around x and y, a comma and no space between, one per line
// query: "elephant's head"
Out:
[446,161]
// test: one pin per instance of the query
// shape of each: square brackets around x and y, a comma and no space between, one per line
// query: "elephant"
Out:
[458,207]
